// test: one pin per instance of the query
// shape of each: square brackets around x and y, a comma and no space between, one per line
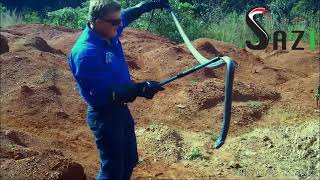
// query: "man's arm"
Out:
[95,78]
[131,14]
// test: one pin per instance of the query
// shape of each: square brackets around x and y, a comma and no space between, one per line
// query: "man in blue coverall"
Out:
[103,81]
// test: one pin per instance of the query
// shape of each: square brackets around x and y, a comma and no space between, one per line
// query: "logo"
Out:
[278,36]
[109,57]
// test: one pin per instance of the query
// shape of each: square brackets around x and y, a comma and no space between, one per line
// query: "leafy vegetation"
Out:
[194,154]
[317,94]
[256,105]
[218,19]
[68,17]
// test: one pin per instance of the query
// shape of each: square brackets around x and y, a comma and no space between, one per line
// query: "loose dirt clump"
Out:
[4,47]
[208,47]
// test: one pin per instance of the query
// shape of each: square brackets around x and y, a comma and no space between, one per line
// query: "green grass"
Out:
[10,18]
[214,137]
[194,154]
[256,105]
[317,94]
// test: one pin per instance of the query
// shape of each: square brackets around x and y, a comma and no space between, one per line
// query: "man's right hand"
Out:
[129,92]
[148,89]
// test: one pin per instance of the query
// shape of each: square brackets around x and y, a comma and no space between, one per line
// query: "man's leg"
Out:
[108,127]
[131,154]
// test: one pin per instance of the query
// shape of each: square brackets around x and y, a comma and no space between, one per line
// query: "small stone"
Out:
[18,156]
[61,115]
[308,153]
[270,146]
[181,106]
[266,138]
[235,165]
[158,174]
[312,140]
[26,90]
[285,136]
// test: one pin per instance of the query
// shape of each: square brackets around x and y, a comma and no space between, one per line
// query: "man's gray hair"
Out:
[101,8]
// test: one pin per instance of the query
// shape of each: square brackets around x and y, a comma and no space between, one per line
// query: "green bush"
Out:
[32,17]
[161,22]
[68,17]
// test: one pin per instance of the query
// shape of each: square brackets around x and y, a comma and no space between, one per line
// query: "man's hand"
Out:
[133,13]
[128,92]
[148,89]
[159,4]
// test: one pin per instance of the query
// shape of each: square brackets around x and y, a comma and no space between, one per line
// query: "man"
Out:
[103,81]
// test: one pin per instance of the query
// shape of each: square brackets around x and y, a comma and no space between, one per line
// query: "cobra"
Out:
[213,63]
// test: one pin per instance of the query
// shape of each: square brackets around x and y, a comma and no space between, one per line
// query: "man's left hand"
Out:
[160,4]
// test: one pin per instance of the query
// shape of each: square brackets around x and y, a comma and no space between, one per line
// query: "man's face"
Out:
[108,25]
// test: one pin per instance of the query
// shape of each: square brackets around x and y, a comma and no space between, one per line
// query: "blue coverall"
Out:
[96,64]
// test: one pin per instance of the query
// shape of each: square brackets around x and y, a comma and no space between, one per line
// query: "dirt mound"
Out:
[20,152]
[209,93]
[296,61]
[36,43]
[4,47]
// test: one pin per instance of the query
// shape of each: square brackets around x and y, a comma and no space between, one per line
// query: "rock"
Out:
[299,146]
[26,90]
[73,171]
[311,141]
[18,156]
[158,174]
[61,115]
[266,138]
[235,165]
[270,146]
[69,170]
[55,90]
[181,106]
[308,153]
[13,136]
[285,136]
[219,173]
